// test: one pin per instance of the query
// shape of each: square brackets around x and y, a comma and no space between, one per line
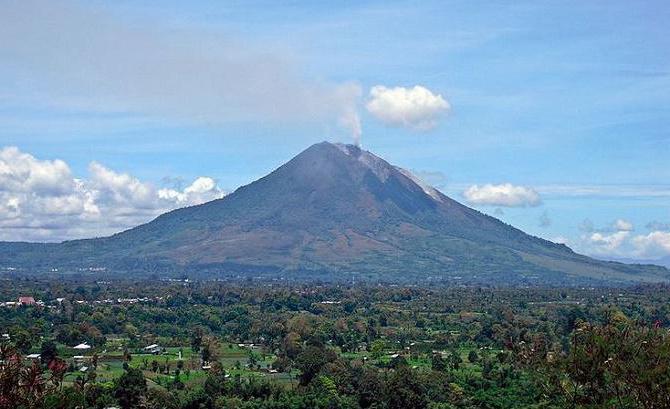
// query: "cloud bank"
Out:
[617,240]
[41,200]
[414,108]
[73,57]
[504,195]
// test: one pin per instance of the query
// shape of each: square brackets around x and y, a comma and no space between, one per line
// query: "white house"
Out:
[82,346]
[152,349]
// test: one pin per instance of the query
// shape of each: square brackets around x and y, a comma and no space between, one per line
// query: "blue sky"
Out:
[570,100]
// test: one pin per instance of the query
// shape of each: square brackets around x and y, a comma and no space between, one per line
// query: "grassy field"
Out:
[173,362]
[183,364]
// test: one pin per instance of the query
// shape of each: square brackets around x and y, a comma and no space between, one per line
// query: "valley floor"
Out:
[79,342]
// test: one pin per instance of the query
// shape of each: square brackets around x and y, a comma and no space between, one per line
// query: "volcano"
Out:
[332,211]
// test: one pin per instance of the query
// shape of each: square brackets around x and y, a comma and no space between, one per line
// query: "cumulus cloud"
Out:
[612,240]
[203,189]
[505,195]
[42,200]
[608,243]
[23,173]
[416,108]
[653,245]
[72,56]
[119,188]
[617,240]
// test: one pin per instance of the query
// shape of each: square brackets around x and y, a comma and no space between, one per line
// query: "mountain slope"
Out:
[333,209]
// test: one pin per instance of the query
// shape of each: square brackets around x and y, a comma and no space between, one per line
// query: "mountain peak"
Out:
[383,169]
[333,208]
[377,165]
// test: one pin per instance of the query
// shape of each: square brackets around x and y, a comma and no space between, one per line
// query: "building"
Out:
[82,347]
[152,349]
[26,301]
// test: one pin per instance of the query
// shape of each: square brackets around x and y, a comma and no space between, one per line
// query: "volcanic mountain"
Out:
[330,211]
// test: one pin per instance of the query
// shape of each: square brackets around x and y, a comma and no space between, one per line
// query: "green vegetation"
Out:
[207,344]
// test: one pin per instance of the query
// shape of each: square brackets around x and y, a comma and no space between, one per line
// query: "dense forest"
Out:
[81,343]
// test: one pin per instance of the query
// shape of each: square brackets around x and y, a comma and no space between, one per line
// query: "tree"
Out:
[99,396]
[620,365]
[23,386]
[282,364]
[472,356]
[455,359]
[371,388]
[377,348]
[438,363]
[311,360]
[22,340]
[216,384]
[253,358]
[130,388]
[196,339]
[405,390]
[48,351]
[205,354]
[158,398]
[291,345]
[57,367]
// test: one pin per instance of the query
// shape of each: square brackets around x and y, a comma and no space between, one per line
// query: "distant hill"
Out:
[332,211]
[664,261]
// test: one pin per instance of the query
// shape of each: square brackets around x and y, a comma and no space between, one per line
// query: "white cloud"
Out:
[20,172]
[120,188]
[42,200]
[623,225]
[652,245]
[415,108]
[506,195]
[617,240]
[612,240]
[203,189]
[608,243]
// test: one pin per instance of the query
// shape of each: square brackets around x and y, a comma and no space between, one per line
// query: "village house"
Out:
[26,300]
[82,347]
[152,349]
